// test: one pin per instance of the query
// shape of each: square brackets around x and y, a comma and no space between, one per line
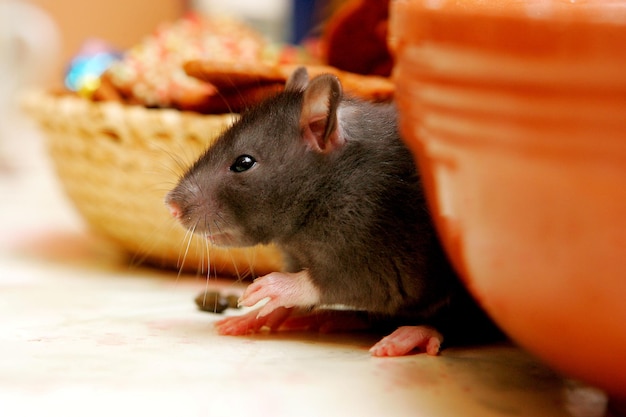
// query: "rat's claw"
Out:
[407,338]
[247,299]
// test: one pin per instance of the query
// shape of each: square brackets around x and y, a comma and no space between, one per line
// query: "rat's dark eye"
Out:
[243,163]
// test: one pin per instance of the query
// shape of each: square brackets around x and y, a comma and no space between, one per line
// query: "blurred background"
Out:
[38,38]
[35,32]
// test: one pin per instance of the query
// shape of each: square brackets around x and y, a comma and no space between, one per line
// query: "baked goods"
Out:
[215,65]
[152,74]
[240,78]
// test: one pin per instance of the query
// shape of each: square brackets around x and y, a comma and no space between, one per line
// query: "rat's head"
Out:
[254,184]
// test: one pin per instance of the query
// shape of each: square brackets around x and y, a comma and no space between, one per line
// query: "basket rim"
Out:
[37,102]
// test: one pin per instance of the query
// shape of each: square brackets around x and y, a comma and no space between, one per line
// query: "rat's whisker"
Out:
[220,217]
[207,235]
[200,253]
[180,158]
[189,237]
[232,259]
[226,101]
[217,226]
[208,262]
[180,261]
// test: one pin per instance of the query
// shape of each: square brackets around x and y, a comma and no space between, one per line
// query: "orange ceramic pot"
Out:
[516,112]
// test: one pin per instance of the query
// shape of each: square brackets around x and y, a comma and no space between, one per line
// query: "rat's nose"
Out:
[174,209]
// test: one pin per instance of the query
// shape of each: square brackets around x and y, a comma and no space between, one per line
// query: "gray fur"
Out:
[356,217]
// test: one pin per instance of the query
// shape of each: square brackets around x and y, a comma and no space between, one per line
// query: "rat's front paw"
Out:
[407,338]
[282,289]
[251,322]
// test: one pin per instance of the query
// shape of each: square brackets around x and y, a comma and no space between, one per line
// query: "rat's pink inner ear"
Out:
[314,134]
[319,113]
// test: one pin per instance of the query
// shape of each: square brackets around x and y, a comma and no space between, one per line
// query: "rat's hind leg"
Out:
[407,338]
[251,322]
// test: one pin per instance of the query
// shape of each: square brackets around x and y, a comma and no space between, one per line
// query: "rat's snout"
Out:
[187,205]
[174,208]
[173,205]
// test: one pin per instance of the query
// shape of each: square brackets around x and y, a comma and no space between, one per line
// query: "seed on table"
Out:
[215,302]
[233,301]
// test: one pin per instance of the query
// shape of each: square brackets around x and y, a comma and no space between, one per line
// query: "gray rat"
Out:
[328,180]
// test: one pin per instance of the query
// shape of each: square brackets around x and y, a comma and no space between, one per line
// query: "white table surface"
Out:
[83,333]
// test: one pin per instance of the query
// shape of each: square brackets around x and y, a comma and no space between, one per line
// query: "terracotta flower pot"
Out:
[516,112]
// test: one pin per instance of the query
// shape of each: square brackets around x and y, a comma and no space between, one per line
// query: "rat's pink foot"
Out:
[251,322]
[407,338]
[283,290]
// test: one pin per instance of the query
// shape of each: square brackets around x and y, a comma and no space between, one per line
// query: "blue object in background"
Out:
[304,19]
[84,71]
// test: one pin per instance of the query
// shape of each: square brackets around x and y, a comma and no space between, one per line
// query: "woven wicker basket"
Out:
[116,163]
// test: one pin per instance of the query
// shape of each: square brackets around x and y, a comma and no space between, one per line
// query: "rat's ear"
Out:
[318,119]
[298,80]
